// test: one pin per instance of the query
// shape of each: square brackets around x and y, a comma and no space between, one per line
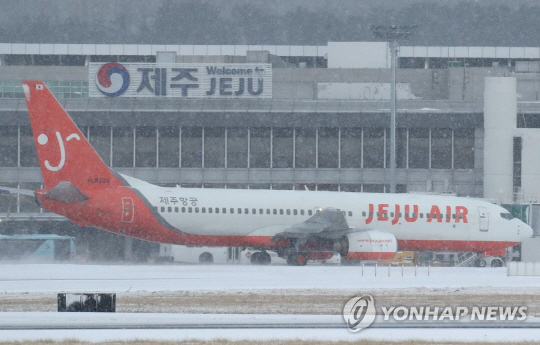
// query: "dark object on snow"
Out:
[87,302]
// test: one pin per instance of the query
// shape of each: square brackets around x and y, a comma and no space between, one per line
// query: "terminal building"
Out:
[279,117]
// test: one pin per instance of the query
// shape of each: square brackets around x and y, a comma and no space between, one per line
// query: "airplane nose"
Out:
[526,231]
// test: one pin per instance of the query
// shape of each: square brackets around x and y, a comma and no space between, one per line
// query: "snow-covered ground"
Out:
[47,279]
[315,333]
[178,335]
[122,278]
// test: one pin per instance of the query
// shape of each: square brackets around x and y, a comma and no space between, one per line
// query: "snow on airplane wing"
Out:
[326,223]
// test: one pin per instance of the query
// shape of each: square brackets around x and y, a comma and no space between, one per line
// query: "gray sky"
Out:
[306,22]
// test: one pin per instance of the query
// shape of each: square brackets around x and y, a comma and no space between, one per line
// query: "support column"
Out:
[500,114]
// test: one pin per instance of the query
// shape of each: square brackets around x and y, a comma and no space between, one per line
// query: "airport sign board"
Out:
[180,80]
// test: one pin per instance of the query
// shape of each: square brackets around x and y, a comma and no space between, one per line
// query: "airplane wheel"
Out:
[206,258]
[496,263]
[481,263]
[297,259]
[290,258]
[265,258]
[301,259]
[260,258]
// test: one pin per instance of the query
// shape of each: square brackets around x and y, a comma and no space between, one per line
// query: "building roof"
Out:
[241,50]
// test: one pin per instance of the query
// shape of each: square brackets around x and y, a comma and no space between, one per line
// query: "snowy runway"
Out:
[178,327]
[322,279]
[250,291]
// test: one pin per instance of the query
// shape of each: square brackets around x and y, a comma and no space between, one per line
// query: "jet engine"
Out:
[367,245]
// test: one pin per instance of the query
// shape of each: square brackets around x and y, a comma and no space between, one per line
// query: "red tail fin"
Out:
[63,151]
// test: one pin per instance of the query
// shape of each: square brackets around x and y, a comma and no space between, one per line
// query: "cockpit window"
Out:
[507,216]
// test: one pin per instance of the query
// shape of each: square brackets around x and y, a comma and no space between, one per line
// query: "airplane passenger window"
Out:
[378,214]
[169,209]
[421,215]
[288,212]
[254,211]
[189,209]
[246,210]
[203,210]
[196,210]
[350,213]
[392,214]
[301,212]
[176,209]
[407,215]
[363,213]
[309,212]
[275,211]
[239,210]
[267,211]
[223,210]
[281,211]
[453,216]
[162,208]
[232,210]
[210,210]
[183,210]
[295,212]
[447,216]
[261,211]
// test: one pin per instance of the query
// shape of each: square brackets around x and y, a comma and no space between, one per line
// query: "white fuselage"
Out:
[265,213]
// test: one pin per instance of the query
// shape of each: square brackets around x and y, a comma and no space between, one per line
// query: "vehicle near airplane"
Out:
[298,225]
[406,258]
[198,255]
[42,248]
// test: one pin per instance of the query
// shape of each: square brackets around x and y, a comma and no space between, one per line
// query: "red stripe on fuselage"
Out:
[454,246]
[370,255]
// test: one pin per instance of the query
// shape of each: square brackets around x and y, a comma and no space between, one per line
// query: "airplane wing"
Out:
[9,190]
[328,223]
[328,231]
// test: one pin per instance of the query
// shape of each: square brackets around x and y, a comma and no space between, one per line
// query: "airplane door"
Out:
[484,218]
[128,210]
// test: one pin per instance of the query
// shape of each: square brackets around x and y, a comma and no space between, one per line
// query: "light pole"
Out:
[391,34]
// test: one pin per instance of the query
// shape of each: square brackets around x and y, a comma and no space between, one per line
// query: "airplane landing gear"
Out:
[297,259]
[490,261]
[481,263]
[260,258]
[497,263]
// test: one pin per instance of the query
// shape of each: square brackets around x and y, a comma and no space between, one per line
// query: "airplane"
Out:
[298,225]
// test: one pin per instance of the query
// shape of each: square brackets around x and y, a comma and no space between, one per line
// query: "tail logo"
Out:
[112,79]
[43,139]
